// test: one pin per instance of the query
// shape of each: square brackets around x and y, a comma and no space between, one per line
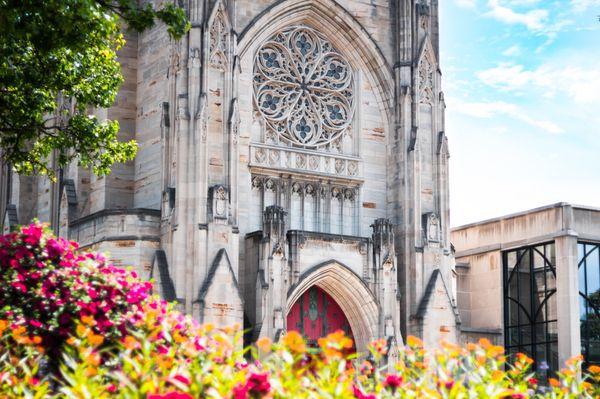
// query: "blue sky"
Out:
[522,86]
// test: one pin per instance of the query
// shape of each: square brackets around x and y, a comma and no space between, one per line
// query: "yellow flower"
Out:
[497,375]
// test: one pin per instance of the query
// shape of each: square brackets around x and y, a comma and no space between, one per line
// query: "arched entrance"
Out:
[348,291]
[316,314]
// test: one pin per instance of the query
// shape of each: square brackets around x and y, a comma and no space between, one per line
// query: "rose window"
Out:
[303,87]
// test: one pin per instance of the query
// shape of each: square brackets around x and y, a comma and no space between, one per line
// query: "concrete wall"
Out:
[479,248]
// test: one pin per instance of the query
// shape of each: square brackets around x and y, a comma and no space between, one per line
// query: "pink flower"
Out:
[170,395]
[393,381]
[358,394]
[240,392]
[258,383]
[19,287]
[181,378]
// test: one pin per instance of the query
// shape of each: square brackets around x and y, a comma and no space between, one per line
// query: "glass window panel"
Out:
[589,285]
[526,332]
[593,356]
[582,308]
[513,336]
[552,331]
[532,286]
[593,273]
[511,259]
[551,255]
[593,327]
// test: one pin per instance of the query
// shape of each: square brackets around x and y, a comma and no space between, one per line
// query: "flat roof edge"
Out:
[522,213]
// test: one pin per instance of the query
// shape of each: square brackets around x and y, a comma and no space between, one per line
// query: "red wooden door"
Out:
[315,314]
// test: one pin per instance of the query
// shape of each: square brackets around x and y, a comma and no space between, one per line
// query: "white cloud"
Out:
[534,20]
[579,83]
[466,3]
[512,51]
[583,5]
[500,108]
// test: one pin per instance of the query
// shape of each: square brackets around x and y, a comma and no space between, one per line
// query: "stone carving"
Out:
[352,168]
[270,185]
[300,161]
[303,87]
[260,156]
[257,183]
[336,193]
[426,80]
[310,190]
[273,157]
[349,194]
[218,42]
[339,166]
[296,188]
[432,227]
[313,162]
[220,202]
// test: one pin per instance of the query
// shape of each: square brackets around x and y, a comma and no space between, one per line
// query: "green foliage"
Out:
[58,61]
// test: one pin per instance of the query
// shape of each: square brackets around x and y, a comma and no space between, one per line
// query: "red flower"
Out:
[532,381]
[358,394]
[393,381]
[258,383]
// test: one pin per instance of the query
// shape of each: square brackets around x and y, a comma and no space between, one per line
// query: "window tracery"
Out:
[303,88]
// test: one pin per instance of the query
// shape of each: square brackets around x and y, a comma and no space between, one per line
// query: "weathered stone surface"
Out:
[211,162]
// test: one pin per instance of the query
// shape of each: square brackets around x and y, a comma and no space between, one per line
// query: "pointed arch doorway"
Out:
[316,314]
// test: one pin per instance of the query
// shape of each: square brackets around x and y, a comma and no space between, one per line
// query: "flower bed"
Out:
[112,339]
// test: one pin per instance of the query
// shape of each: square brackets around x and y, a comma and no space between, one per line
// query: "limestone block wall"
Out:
[128,237]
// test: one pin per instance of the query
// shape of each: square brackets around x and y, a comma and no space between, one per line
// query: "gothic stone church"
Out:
[292,171]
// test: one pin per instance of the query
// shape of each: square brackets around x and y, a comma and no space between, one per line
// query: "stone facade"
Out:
[282,145]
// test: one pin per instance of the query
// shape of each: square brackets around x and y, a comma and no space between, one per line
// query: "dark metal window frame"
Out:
[530,313]
[583,292]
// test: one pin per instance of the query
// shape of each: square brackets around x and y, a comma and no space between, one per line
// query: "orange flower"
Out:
[81,330]
[594,369]
[553,382]
[88,320]
[3,326]
[294,342]
[414,342]
[264,344]
[96,339]
[130,343]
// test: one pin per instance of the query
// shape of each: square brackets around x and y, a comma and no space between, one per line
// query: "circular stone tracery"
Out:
[303,87]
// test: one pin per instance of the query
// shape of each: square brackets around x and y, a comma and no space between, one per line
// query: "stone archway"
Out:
[349,292]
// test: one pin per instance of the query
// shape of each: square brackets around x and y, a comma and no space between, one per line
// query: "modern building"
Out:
[531,281]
